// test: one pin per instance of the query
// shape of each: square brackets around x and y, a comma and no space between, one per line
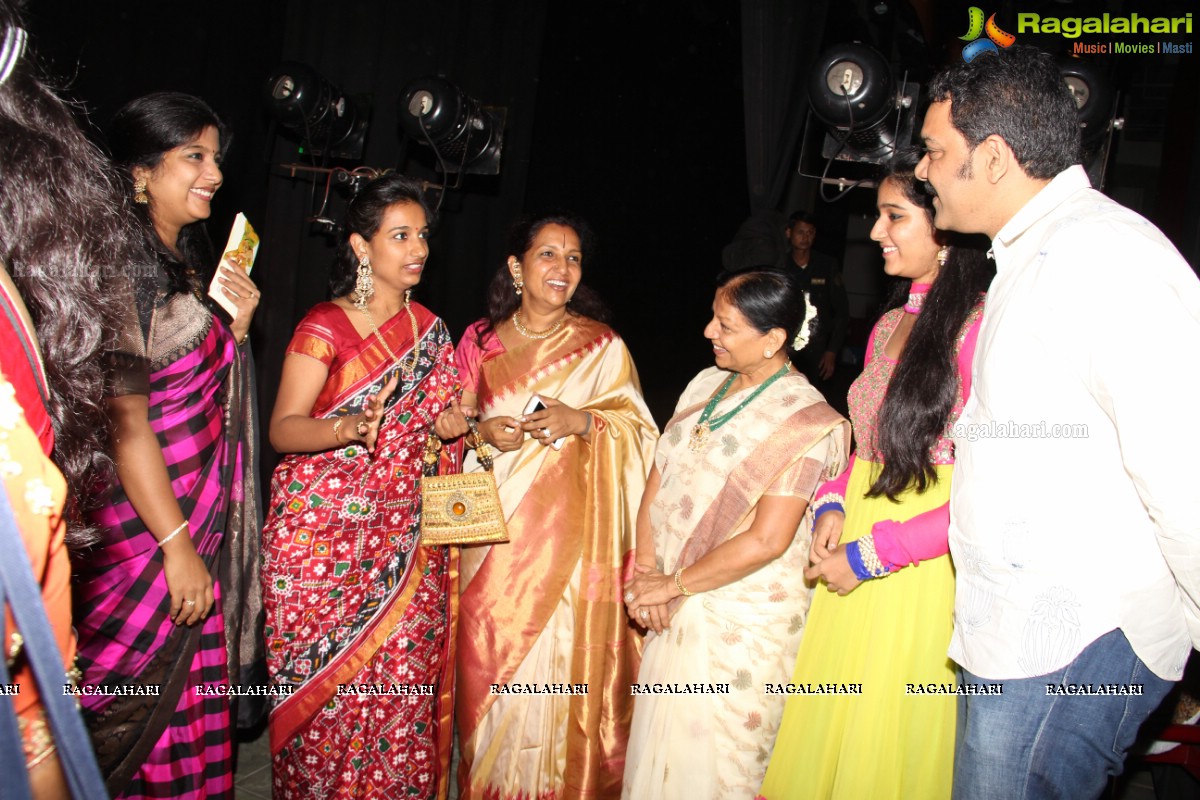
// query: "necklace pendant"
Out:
[698,438]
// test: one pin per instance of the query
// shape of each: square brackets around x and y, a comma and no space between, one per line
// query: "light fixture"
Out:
[867,113]
[1093,96]
[1096,104]
[466,136]
[327,121]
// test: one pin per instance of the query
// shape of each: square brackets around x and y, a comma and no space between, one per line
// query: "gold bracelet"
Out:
[679,584]
[173,533]
[337,429]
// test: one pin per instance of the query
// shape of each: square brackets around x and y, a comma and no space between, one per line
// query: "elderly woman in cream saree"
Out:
[723,535]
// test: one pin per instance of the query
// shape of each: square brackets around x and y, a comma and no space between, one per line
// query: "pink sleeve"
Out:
[966,355]
[900,544]
[837,486]
[870,345]
[925,536]
[468,356]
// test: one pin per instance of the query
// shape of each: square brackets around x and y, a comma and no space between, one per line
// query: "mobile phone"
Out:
[535,404]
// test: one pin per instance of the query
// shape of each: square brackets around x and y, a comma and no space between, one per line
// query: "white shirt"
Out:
[1093,320]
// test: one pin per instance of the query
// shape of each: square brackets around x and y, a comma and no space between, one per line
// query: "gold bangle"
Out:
[679,584]
[337,429]
[173,533]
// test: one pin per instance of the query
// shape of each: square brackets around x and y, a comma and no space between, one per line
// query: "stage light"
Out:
[1093,96]
[853,91]
[1096,103]
[326,120]
[467,136]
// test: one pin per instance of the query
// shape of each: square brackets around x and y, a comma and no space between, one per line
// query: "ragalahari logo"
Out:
[976,27]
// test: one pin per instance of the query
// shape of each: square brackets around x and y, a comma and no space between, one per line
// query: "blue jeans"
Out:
[1032,742]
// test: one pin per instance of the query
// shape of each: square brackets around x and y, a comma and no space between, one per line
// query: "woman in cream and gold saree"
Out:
[723,532]
[360,615]
[540,616]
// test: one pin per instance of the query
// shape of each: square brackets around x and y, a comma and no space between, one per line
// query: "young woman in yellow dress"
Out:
[886,627]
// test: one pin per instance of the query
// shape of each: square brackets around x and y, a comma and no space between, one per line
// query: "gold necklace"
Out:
[528,334]
[408,369]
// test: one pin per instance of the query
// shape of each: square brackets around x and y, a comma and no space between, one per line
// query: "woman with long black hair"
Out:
[61,233]
[889,623]
[174,580]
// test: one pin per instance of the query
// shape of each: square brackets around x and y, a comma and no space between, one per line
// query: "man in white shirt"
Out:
[1075,520]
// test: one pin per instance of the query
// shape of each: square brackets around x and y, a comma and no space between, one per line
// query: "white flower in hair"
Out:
[805,330]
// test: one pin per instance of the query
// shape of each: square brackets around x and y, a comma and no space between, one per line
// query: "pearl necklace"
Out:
[528,334]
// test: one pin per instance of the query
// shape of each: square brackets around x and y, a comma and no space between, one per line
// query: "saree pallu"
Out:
[360,616]
[546,608]
[737,640]
[178,743]
[37,493]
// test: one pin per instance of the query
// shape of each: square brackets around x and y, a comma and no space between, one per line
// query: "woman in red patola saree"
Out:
[360,615]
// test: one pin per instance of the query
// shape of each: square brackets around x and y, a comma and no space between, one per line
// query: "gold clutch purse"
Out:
[460,509]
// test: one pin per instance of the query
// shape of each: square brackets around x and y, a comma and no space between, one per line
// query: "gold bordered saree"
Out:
[734,641]
[542,614]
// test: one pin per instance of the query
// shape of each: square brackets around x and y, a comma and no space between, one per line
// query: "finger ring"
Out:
[190,602]
[629,597]
[644,614]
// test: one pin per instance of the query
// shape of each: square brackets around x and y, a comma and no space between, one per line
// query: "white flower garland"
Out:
[810,315]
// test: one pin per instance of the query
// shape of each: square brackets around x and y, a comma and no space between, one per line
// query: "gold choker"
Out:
[528,334]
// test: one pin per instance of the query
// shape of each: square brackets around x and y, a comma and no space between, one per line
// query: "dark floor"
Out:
[253,779]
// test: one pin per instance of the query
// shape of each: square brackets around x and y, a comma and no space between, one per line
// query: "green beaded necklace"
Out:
[698,438]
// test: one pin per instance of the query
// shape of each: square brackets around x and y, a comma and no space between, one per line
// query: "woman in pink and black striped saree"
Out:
[156,647]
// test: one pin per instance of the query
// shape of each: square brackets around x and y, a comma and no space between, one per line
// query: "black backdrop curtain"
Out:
[780,41]
[625,111]
[107,53]
[490,50]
